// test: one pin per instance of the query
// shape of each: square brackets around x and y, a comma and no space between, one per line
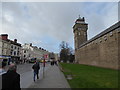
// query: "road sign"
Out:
[45,56]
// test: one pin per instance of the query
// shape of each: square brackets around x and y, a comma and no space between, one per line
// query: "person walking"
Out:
[51,63]
[56,63]
[11,79]
[36,68]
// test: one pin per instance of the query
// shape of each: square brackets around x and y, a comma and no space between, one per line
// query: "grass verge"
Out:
[85,76]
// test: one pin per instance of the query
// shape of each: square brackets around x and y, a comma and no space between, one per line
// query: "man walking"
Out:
[36,68]
[11,79]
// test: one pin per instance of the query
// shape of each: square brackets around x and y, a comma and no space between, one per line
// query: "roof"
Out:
[112,28]
[11,42]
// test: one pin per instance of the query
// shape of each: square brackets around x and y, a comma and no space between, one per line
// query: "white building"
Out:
[15,51]
[9,49]
[30,52]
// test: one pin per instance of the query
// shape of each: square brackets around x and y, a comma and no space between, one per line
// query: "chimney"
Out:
[15,40]
[4,36]
[83,19]
[30,44]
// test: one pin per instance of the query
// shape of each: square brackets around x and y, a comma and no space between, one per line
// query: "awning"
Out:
[4,57]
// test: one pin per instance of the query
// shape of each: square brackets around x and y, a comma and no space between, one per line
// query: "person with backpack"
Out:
[36,68]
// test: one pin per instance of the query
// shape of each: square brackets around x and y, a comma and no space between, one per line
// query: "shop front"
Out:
[6,59]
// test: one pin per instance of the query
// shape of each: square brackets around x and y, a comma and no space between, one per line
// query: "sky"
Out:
[47,24]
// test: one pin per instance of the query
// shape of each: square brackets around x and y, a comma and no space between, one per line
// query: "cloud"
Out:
[48,24]
[100,16]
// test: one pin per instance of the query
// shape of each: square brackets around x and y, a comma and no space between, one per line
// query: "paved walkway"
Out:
[53,78]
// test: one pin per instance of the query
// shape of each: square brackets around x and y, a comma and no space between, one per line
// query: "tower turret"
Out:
[80,32]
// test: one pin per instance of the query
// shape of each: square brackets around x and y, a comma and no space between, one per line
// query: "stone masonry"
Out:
[102,50]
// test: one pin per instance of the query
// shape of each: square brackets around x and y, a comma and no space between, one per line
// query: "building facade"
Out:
[30,52]
[15,51]
[102,50]
[4,46]
[9,49]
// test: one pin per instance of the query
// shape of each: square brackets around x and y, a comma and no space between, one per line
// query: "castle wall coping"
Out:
[112,28]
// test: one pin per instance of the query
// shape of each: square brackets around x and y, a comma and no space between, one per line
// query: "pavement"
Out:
[53,78]
[26,74]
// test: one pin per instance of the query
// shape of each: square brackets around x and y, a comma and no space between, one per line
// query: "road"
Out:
[26,74]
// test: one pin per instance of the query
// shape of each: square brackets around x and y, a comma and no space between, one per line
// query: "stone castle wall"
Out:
[101,51]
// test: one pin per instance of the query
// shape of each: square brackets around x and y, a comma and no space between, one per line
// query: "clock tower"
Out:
[80,32]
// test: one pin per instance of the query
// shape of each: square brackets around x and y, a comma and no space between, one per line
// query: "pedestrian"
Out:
[24,60]
[52,63]
[20,61]
[56,63]
[9,61]
[11,79]
[36,68]
[2,69]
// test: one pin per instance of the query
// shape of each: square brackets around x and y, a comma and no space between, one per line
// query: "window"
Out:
[118,31]
[12,46]
[96,41]
[85,33]
[24,55]
[25,51]
[11,52]
[18,53]
[100,40]
[79,28]
[79,33]
[15,47]
[105,38]
[14,52]
[111,34]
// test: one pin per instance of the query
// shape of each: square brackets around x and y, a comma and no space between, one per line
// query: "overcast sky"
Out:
[47,24]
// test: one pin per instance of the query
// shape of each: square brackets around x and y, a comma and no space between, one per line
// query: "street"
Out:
[26,73]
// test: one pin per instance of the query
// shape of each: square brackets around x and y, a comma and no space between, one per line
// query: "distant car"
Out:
[32,61]
[42,61]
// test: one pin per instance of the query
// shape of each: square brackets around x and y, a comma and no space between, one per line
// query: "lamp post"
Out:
[43,66]
[44,57]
